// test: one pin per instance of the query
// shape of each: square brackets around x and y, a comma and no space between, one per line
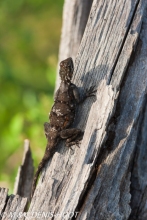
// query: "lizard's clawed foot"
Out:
[70,144]
[72,136]
[75,139]
[91,91]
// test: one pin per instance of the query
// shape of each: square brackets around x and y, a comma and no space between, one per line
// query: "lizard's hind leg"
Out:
[72,136]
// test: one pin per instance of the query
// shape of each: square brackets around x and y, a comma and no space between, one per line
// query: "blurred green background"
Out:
[29,41]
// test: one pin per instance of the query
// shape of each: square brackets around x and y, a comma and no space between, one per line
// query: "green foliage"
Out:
[29,39]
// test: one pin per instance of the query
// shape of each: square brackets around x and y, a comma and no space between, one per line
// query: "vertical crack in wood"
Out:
[123,42]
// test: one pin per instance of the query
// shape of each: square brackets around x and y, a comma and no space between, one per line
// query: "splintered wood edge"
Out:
[3,198]
[25,173]
[14,208]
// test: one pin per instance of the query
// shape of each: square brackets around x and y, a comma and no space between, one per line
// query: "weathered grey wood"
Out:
[3,197]
[14,208]
[127,49]
[139,172]
[23,183]
[109,39]
[142,208]
[112,181]
[75,16]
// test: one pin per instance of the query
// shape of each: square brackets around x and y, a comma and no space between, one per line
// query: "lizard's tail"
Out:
[36,176]
[46,157]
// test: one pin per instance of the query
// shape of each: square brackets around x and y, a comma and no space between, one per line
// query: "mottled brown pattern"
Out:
[62,115]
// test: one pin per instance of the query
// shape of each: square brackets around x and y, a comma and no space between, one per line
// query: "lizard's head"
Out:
[66,69]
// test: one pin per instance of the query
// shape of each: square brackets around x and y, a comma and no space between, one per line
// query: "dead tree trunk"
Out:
[106,178]
[95,180]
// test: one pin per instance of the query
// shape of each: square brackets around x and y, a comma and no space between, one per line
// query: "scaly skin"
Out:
[62,115]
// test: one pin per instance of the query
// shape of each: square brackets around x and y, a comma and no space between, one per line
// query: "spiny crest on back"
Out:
[66,69]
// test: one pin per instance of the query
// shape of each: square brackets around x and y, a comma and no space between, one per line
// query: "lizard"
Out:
[62,115]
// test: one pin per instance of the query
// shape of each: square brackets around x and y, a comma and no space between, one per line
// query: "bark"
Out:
[104,179]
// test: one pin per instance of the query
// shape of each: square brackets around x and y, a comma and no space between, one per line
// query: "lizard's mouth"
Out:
[70,64]
[66,69]
[70,67]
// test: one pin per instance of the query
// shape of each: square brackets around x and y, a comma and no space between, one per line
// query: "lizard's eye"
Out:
[61,64]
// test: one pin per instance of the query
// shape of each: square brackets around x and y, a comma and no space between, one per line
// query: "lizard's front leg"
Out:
[89,92]
[72,136]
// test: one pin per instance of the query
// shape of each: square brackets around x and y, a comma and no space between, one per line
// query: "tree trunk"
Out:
[106,178]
